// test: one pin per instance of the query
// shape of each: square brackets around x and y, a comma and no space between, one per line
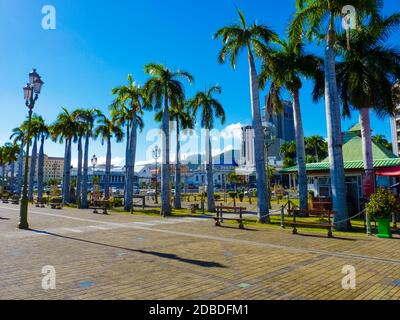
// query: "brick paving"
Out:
[138,257]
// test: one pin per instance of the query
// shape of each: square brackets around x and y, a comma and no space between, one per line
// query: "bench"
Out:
[99,205]
[56,204]
[4,200]
[141,198]
[40,204]
[220,210]
[319,213]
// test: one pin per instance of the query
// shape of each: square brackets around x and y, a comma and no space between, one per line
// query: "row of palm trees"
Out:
[362,79]
[163,92]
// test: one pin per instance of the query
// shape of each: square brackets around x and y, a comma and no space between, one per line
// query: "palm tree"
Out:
[132,95]
[18,136]
[316,16]
[381,139]
[209,108]
[64,130]
[12,151]
[366,76]
[107,129]
[316,148]
[88,118]
[288,150]
[80,131]
[164,89]
[285,67]
[43,134]
[256,40]
[183,121]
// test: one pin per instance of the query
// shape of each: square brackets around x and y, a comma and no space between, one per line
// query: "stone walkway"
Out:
[138,257]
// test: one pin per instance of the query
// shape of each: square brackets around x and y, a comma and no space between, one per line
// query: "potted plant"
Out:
[380,208]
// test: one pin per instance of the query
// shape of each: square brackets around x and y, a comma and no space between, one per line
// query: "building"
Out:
[386,168]
[283,123]
[53,168]
[117,178]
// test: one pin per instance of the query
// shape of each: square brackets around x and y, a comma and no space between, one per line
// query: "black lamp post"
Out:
[31,94]
[156,156]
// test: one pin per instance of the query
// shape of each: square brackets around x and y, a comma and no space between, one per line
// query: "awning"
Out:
[388,171]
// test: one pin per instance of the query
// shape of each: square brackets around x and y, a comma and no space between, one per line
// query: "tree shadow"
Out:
[1,218]
[323,236]
[200,263]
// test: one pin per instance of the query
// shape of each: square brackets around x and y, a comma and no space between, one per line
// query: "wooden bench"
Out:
[319,213]
[4,200]
[99,205]
[143,200]
[56,204]
[40,204]
[220,210]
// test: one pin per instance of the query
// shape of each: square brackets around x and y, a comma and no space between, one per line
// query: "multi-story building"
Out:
[53,168]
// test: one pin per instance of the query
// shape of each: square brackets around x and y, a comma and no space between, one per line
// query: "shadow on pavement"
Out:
[200,263]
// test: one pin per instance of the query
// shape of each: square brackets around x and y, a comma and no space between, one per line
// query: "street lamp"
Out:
[270,138]
[156,155]
[31,94]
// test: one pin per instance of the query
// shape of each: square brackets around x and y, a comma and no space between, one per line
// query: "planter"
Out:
[384,229]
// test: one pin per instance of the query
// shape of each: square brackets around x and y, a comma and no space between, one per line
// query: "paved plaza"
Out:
[140,257]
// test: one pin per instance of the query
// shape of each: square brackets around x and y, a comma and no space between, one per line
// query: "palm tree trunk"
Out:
[131,165]
[65,167]
[32,170]
[66,195]
[79,173]
[177,196]
[335,143]
[259,145]
[367,149]
[127,153]
[20,170]
[108,171]
[300,151]
[41,170]
[210,178]
[165,166]
[12,177]
[85,173]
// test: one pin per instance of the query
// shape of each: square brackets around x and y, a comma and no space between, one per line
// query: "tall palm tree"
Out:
[43,134]
[381,139]
[127,109]
[317,16]
[209,108]
[87,118]
[64,130]
[369,69]
[183,121]
[107,129]
[81,132]
[286,67]
[256,40]
[18,136]
[164,89]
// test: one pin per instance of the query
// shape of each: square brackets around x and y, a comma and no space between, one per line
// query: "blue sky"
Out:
[97,43]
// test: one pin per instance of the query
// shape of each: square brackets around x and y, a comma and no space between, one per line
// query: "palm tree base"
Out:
[264,219]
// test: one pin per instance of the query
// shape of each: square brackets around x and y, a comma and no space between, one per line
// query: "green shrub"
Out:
[55,200]
[117,202]
[382,204]
[217,196]
[241,197]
